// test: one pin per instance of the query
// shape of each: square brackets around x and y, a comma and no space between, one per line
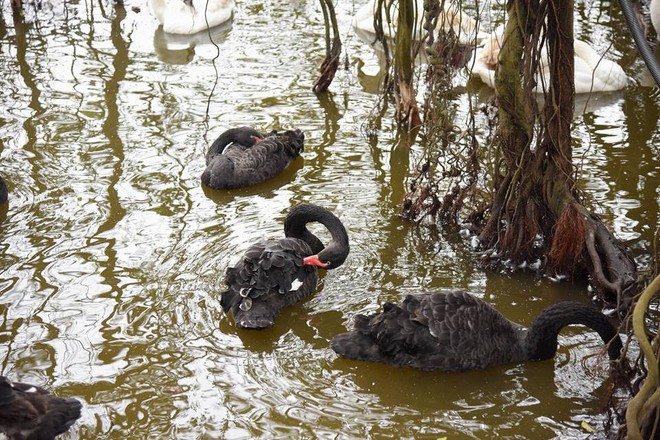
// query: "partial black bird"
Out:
[29,412]
[456,331]
[3,191]
[275,273]
[242,157]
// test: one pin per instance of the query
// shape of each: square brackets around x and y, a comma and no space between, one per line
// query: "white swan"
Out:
[451,18]
[186,17]
[593,73]
[654,10]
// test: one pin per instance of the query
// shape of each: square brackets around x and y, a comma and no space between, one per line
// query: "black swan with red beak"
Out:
[276,273]
[456,331]
[242,156]
[30,412]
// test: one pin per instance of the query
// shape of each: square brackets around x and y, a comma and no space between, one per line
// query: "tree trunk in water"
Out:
[404,62]
[535,196]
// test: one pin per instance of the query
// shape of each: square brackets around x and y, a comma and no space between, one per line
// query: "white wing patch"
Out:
[295,285]
[31,390]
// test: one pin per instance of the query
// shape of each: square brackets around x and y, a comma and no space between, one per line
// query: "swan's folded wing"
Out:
[272,267]
[258,163]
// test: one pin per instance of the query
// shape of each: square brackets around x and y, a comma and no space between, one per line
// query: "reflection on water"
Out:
[182,49]
[112,253]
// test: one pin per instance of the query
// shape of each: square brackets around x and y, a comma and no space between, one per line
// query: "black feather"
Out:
[30,412]
[457,331]
[271,274]
[242,157]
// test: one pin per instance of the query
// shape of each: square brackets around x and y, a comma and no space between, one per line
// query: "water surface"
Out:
[112,253]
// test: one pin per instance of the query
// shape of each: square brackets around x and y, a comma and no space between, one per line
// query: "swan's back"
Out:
[451,18]
[596,73]
[269,277]
[654,11]
[442,331]
[178,17]
[241,166]
[593,73]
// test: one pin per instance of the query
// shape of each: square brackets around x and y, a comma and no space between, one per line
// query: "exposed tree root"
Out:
[536,211]
[328,70]
[642,418]
[332,48]
[407,112]
[612,269]
[568,239]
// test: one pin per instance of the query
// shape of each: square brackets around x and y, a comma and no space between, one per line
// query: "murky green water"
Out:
[112,254]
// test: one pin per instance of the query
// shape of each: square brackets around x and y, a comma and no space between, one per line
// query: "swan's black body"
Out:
[3,191]
[276,273]
[455,331]
[29,412]
[242,157]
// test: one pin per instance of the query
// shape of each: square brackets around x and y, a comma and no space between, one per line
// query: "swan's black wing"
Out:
[269,276]
[444,331]
[28,411]
[239,167]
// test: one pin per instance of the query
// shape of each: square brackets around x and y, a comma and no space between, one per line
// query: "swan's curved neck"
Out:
[295,226]
[245,136]
[541,339]
[221,143]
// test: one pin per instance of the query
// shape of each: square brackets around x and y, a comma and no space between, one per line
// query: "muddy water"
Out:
[112,253]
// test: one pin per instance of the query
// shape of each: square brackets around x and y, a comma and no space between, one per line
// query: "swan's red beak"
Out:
[257,139]
[314,261]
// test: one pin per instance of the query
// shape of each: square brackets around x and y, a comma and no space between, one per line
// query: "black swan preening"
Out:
[276,273]
[242,157]
[30,412]
[455,331]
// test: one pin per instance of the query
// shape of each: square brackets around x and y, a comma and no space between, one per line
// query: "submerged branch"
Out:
[647,401]
[332,48]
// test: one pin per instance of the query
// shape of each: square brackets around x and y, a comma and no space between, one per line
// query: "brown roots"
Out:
[567,240]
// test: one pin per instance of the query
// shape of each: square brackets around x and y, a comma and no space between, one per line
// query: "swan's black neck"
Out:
[245,136]
[541,340]
[295,226]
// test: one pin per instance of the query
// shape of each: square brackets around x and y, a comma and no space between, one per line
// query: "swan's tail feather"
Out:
[358,344]
[294,142]
[62,414]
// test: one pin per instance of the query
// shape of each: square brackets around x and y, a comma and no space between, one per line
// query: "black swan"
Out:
[30,412]
[276,273]
[242,157]
[3,191]
[455,331]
